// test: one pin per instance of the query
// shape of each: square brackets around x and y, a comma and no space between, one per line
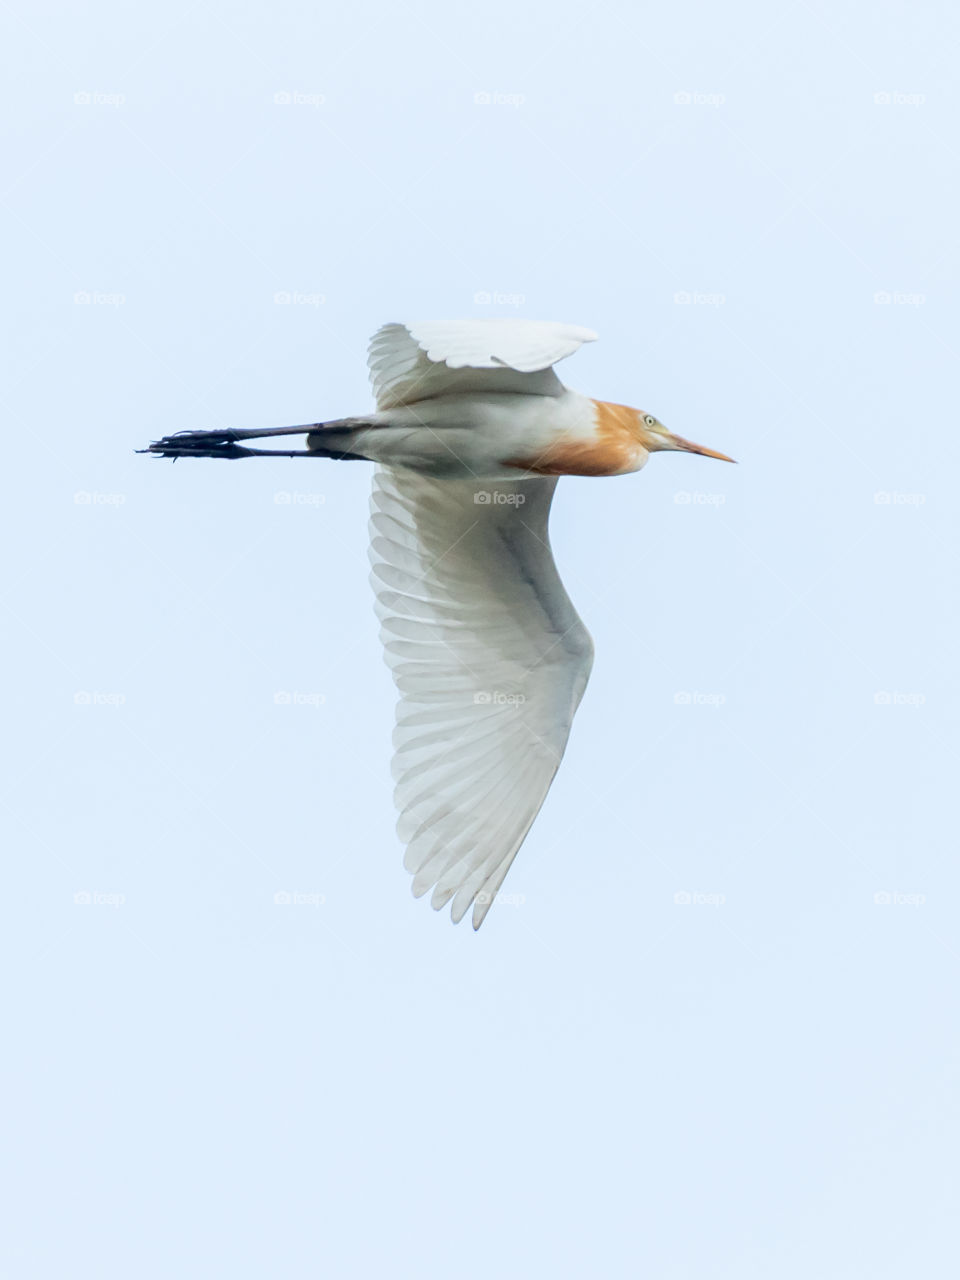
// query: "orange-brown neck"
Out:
[611,447]
[618,421]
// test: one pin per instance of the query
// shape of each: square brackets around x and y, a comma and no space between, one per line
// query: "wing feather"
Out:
[419,361]
[490,660]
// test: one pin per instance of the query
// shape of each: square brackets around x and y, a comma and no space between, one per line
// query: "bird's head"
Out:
[654,436]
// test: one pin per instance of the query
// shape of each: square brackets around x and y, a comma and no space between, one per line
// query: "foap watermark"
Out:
[488,297]
[298,898]
[97,98]
[494,98]
[694,498]
[88,498]
[895,298]
[892,498]
[89,698]
[501,899]
[98,898]
[890,698]
[499,498]
[897,98]
[498,698]
[283,698]
[291,298]
[691,698]
[688,298]
[695,898]
[894,898]
[296,98]
[93,298]
[294,498]
[697,98]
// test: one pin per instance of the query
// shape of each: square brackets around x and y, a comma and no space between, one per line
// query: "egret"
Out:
[471,432]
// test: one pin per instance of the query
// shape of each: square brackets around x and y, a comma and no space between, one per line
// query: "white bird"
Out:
[471,431]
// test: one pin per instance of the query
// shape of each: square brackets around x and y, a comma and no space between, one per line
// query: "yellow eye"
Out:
[650,420]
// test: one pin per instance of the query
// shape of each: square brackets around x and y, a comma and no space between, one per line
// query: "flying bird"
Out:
[471,432]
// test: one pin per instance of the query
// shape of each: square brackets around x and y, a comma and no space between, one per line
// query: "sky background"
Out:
[715,1031]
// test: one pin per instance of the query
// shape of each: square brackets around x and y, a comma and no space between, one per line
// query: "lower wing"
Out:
[490,660]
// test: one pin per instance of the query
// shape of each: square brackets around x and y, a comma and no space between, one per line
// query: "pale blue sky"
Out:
[606,1080]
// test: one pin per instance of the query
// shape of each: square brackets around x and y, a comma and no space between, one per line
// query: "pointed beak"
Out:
[678,442]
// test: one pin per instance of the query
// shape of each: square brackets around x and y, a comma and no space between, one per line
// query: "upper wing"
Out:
[490,660]
[418,361]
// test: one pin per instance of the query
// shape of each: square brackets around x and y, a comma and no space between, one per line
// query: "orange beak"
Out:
[678,442]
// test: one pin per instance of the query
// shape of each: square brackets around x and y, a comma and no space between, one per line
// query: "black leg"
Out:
[168,448]
[223,444]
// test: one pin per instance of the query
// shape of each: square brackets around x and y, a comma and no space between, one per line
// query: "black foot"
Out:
[198,444]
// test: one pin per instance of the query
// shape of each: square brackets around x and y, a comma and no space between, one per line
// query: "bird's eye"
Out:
[650,420]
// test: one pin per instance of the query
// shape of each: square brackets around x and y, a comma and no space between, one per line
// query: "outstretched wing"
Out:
[419,361]
[490,660]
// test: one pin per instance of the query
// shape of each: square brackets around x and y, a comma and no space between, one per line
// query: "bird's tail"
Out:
[335,439]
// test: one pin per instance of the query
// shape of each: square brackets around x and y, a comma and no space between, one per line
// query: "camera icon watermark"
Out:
[298,898]
[498,698]
[501,899]
[84,498]
[694,498]
[892,498]
[97,98]
[284,698]
[293,498]
[94,298]
[499,498]
[292,298]
[697,98]
[493,98]
[897,298]
[86,698]
[486,298]
[686,298]
[897,98]
[294,98]
[692,698]
[887,698]
[98,898]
